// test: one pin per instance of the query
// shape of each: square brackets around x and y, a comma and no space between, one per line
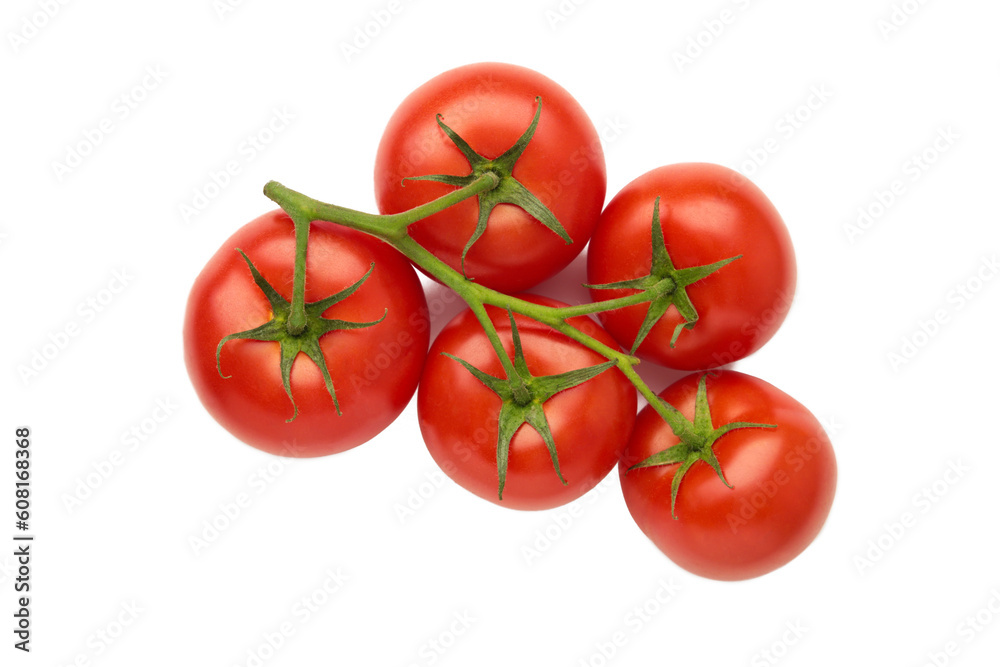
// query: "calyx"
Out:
[696,444]
[508,191]
[295,340]
[523,396]
[667,285]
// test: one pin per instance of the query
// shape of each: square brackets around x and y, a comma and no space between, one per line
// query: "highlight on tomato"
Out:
[713,251]
[746,492]
[525,128]
[336,383]
[536,435]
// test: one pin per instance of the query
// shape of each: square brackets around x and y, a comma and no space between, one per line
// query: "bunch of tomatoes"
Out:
[307,333]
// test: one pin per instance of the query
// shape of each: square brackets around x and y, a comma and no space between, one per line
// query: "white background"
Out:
[866,591]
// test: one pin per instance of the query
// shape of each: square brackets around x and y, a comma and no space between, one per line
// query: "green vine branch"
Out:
[393,229]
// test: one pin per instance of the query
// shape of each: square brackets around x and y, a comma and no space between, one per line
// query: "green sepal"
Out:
[522,401]
[667,285]
[696,444]
[307,342]
[508,191]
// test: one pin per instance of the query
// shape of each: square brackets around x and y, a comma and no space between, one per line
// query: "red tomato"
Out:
[375,370]
[590,423]
[490,105]
[708,213]
[783,480]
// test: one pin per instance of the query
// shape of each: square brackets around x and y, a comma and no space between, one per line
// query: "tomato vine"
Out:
[645,275]
[393,230]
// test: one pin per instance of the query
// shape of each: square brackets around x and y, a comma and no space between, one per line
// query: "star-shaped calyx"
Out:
[508,191]
[696,444]
[305,341]
[666,284]
[523,396]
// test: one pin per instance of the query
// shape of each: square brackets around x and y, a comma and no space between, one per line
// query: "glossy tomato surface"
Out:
[708,213]
[458,414]
[490,105]
[375,370]
[783,481]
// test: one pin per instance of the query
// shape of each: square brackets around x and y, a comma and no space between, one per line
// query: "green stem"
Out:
[393,230]
[389,228]
[297,315]
[556,318]
[677,422]
[479,310]
[602,306]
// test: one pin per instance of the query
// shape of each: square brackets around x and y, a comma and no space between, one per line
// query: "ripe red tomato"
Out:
[375,370]
[490,105]
[708,213]
[783,480]
[458,414]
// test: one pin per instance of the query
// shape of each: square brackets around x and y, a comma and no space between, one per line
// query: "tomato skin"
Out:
[708,213]
[784,481]
[458,414]
[490,105]
[375,370]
